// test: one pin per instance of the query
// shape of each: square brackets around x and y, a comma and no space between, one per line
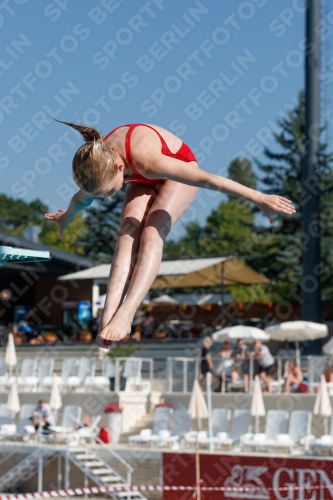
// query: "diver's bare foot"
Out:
[117,328]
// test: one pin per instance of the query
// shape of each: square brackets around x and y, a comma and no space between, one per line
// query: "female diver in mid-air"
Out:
[163,178]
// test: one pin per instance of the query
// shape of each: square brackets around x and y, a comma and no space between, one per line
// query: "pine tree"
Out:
[102,220]
[228,228]
[282,175]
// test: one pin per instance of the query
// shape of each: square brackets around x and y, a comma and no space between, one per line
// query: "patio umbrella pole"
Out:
[197,468]
[298,354]
[209,405]
[222,296]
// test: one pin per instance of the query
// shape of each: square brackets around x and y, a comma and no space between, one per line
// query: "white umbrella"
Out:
[296,331]
[328,347]
[13,402]
[197,408]
[247,333]
[10,357]
[257,407]
[323,405]
[55,398]
[164,299]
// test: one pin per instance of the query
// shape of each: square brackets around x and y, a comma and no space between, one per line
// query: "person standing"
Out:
[224,369]
[206,360]
[266,363]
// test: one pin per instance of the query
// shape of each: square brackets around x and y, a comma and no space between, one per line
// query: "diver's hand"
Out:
[273,203]
[59,218]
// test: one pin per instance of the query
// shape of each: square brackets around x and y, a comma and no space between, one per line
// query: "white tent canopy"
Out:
[181,273]
[187,272]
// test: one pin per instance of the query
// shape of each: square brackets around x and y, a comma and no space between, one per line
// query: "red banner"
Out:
[246,477]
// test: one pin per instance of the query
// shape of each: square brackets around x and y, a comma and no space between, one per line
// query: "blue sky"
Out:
[216,73]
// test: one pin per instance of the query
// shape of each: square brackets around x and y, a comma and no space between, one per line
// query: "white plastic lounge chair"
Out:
[101,383]
[220,423]
[299,433]
[182,424]
[324,443]
[28,377]
[70,419]
[240,425]
[45,369]
[276,423]
[132,374]
[85,433]
[69,368]
[6,417]
[162,422]
[24,426]
[86,369]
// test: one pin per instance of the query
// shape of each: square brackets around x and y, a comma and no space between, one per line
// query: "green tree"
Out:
[229,227]
[102,222]
[16,215]
[240,170]
[70,241]
[282,175]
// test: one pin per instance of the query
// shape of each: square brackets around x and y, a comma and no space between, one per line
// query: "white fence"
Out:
[171,374]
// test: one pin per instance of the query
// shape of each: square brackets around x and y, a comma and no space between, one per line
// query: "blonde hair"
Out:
[93,161]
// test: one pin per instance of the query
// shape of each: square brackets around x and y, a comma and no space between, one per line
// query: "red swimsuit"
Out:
[184,153]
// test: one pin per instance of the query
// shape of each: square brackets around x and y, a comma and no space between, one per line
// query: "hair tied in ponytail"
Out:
[94,161]
[89,134]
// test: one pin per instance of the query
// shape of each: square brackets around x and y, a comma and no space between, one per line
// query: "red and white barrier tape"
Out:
[105,489]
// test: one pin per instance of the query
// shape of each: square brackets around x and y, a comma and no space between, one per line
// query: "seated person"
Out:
[241,353]
[42,417]
[328,372]
[294,377]
[85,422]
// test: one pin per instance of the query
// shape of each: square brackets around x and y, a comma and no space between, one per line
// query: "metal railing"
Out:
[177,374]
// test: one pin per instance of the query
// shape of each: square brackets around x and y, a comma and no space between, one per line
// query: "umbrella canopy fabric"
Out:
[257,406]
[322,405]
[328,347]
[197,408]
[55,398]
[10,358]
[211,271]
[292,331]
[164,299]
[13,402]
[181,273]
[247,333]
